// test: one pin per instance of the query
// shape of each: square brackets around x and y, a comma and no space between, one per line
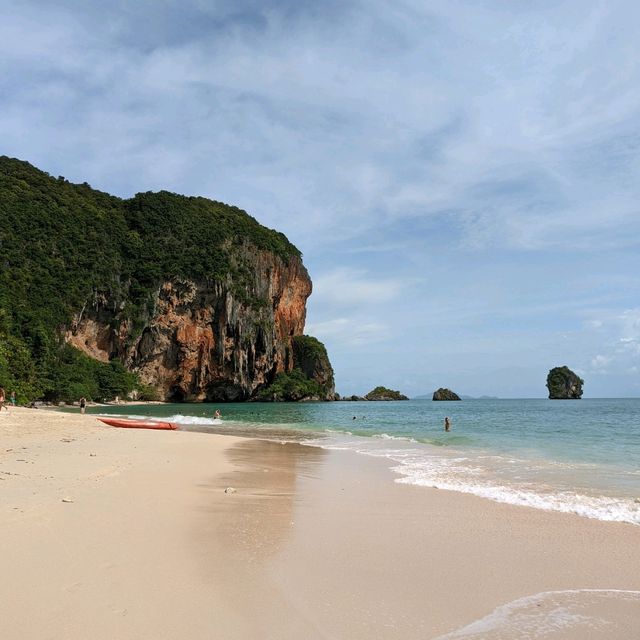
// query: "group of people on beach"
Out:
[3,399]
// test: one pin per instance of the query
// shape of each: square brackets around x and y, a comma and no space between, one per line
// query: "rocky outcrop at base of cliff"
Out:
[310,356]
[384,394]
[310,379]
[564,384]
[445,394]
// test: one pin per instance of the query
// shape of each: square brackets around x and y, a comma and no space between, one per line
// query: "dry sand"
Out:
[312,544]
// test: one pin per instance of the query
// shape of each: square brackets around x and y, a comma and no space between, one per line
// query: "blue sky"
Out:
[462,177]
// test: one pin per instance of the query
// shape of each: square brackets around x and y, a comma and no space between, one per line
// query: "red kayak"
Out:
[138,424]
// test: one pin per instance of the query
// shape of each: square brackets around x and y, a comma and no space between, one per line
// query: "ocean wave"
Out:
[597,507]
[601,613]
[455,471]
[386,436]
[180,419]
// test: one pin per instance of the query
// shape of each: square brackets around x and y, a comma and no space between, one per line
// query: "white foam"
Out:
[597,507]
[424,466]
[386,436]
[544,614]
[180,419]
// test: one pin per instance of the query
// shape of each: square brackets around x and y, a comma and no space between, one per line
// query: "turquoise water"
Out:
[575,456]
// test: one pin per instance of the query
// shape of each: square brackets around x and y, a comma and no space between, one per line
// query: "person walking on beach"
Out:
[3,399]
[83,404]
[447,424]
[12,398]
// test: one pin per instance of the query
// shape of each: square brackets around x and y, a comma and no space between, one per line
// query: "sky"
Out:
[462,177]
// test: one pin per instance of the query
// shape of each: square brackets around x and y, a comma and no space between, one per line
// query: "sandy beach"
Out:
[117,533]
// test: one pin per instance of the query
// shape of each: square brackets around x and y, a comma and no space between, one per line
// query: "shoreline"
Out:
[400,561]
[489,453]
[310,543]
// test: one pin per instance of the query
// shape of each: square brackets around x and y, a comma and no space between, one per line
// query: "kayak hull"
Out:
[139,424]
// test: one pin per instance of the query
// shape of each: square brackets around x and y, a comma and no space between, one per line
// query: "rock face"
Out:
[445,394]
[204,340]
[310,356]
[564,384]
[382,393]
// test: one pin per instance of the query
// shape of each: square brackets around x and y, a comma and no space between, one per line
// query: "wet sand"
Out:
[356,555]
[310,544]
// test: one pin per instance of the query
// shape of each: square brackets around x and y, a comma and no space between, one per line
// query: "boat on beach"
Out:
[138,424]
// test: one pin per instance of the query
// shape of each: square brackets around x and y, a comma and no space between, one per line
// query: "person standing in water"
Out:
[447,424]
[217,415]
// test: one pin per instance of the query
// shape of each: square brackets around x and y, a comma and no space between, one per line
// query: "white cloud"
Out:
[350,332]
[620,341]
[352,288]
[600,362]
[351,116]
[488,150]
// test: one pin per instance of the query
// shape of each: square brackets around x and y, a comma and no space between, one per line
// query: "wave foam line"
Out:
[598,508]
[528,619]
[443,473]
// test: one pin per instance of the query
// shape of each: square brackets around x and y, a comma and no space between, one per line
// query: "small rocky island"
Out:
[564,384]
[382,393]
[445,394]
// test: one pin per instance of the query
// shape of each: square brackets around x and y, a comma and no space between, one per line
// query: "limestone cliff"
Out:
[207,340]
[194,295]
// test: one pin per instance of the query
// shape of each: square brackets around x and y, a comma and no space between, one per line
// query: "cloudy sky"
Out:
[462,177]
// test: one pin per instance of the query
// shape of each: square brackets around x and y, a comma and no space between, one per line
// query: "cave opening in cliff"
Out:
[222,391]
[176,394]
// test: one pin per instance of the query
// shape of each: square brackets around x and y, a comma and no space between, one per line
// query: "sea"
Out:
[574,456]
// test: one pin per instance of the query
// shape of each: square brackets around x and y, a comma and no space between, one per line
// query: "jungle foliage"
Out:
[291,387]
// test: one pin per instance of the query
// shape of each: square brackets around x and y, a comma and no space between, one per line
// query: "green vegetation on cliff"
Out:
[291,387]
[310,379]
[309,349]
[63,246]
[310,356]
